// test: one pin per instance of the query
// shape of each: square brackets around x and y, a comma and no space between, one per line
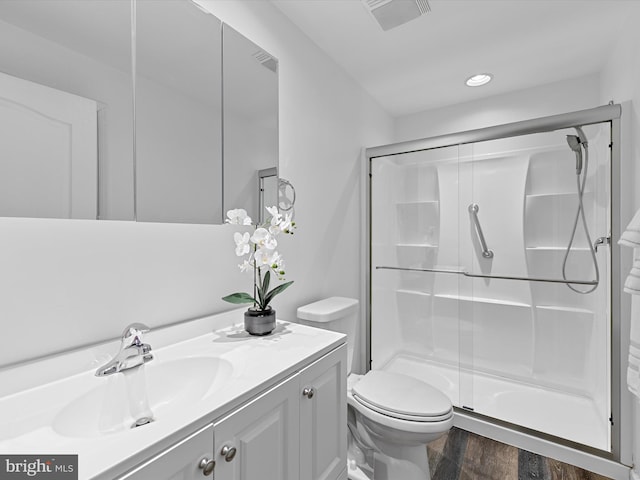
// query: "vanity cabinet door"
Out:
[189,459]
[323,417]
[260,440]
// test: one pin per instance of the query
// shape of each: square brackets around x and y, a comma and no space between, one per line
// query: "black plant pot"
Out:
[260,322]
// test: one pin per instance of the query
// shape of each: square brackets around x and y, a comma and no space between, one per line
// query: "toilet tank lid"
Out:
[328,309]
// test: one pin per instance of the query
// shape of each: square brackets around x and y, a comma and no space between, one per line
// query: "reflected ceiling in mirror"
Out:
[66,109]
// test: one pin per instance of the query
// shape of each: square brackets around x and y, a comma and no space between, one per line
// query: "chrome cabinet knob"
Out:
[207,466]
[228,452]
[308,392]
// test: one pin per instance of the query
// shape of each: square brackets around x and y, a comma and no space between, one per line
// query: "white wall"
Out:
[325,120]
[551,99]
[621,83]
[68,283]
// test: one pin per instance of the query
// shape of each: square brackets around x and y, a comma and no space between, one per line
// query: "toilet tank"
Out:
[338,314]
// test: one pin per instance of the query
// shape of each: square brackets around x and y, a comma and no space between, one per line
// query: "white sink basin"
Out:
[172,387]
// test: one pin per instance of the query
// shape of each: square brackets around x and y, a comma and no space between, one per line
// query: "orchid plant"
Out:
[260,255]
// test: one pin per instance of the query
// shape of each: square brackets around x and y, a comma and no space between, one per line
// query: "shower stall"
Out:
[490,272]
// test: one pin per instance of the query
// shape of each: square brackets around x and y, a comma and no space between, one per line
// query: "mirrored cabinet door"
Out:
[250,84]
[115,110]
[178,113]
[66,109]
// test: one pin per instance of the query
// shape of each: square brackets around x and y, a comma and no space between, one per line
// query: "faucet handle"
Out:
[132,334]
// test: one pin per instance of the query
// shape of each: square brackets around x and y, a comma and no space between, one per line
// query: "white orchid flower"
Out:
[279,223]
[276,216]
[260,255]
[238,216]
[264,239]
[273,211]
[274,230]
[285,224]
[277,263]
[242,243]
[264,257]
[245,266]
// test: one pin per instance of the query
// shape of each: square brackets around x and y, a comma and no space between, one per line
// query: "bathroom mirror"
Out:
[69,146]
[66,122]
[250,106]
[178,113]
[267,191]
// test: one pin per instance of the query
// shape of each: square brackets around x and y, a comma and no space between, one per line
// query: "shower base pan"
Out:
[571,417]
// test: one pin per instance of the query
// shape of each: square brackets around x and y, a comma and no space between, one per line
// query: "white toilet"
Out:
[391,416]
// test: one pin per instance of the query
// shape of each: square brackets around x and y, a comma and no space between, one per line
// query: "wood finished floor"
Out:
[461,455]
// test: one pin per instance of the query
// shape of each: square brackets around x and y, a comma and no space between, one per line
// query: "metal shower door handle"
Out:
[601,241]
[473,211]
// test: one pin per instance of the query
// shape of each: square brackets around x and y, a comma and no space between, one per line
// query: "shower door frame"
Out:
[608,113]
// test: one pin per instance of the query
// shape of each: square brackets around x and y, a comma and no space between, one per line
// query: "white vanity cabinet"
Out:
[295,431]
[323,441]
[260,440]
[186,460]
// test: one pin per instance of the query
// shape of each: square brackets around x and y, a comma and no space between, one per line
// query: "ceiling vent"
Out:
[266,60]
[393,13]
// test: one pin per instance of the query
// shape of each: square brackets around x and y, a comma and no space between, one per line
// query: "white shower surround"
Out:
[532,354]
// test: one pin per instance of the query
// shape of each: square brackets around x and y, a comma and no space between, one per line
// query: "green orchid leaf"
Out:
[276,291]
[265,283]
[260,293]
[239,297]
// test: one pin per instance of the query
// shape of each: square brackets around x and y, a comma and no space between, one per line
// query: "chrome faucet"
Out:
[132,354]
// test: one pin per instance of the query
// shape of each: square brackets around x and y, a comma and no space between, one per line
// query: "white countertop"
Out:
[28,416]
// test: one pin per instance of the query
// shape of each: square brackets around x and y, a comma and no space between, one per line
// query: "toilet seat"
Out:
[402,397]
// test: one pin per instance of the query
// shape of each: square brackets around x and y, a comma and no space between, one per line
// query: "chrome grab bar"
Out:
[473,211]
[499,277]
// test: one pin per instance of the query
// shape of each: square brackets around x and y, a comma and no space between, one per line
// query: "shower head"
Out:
[574,143]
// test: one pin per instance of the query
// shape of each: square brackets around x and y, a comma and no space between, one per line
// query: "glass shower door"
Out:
[416,324]
[541,347]
[468,289]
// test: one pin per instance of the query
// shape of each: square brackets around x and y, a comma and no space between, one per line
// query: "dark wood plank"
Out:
[564,471]
[531,466]
[460,455]
[489,460]
[435,450]
[448,468]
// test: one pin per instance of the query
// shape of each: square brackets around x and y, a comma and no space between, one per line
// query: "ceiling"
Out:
[423,64]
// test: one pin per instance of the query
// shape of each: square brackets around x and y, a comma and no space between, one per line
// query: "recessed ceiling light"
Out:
[479,79]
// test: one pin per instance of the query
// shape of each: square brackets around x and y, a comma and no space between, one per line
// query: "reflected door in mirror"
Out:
[49,152]
[81,48]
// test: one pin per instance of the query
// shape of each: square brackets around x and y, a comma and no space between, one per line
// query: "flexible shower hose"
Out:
[580,215]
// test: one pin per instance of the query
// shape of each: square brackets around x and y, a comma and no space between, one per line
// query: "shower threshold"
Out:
[568,416]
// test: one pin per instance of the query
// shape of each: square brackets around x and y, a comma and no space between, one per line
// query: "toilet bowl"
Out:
[391,416]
